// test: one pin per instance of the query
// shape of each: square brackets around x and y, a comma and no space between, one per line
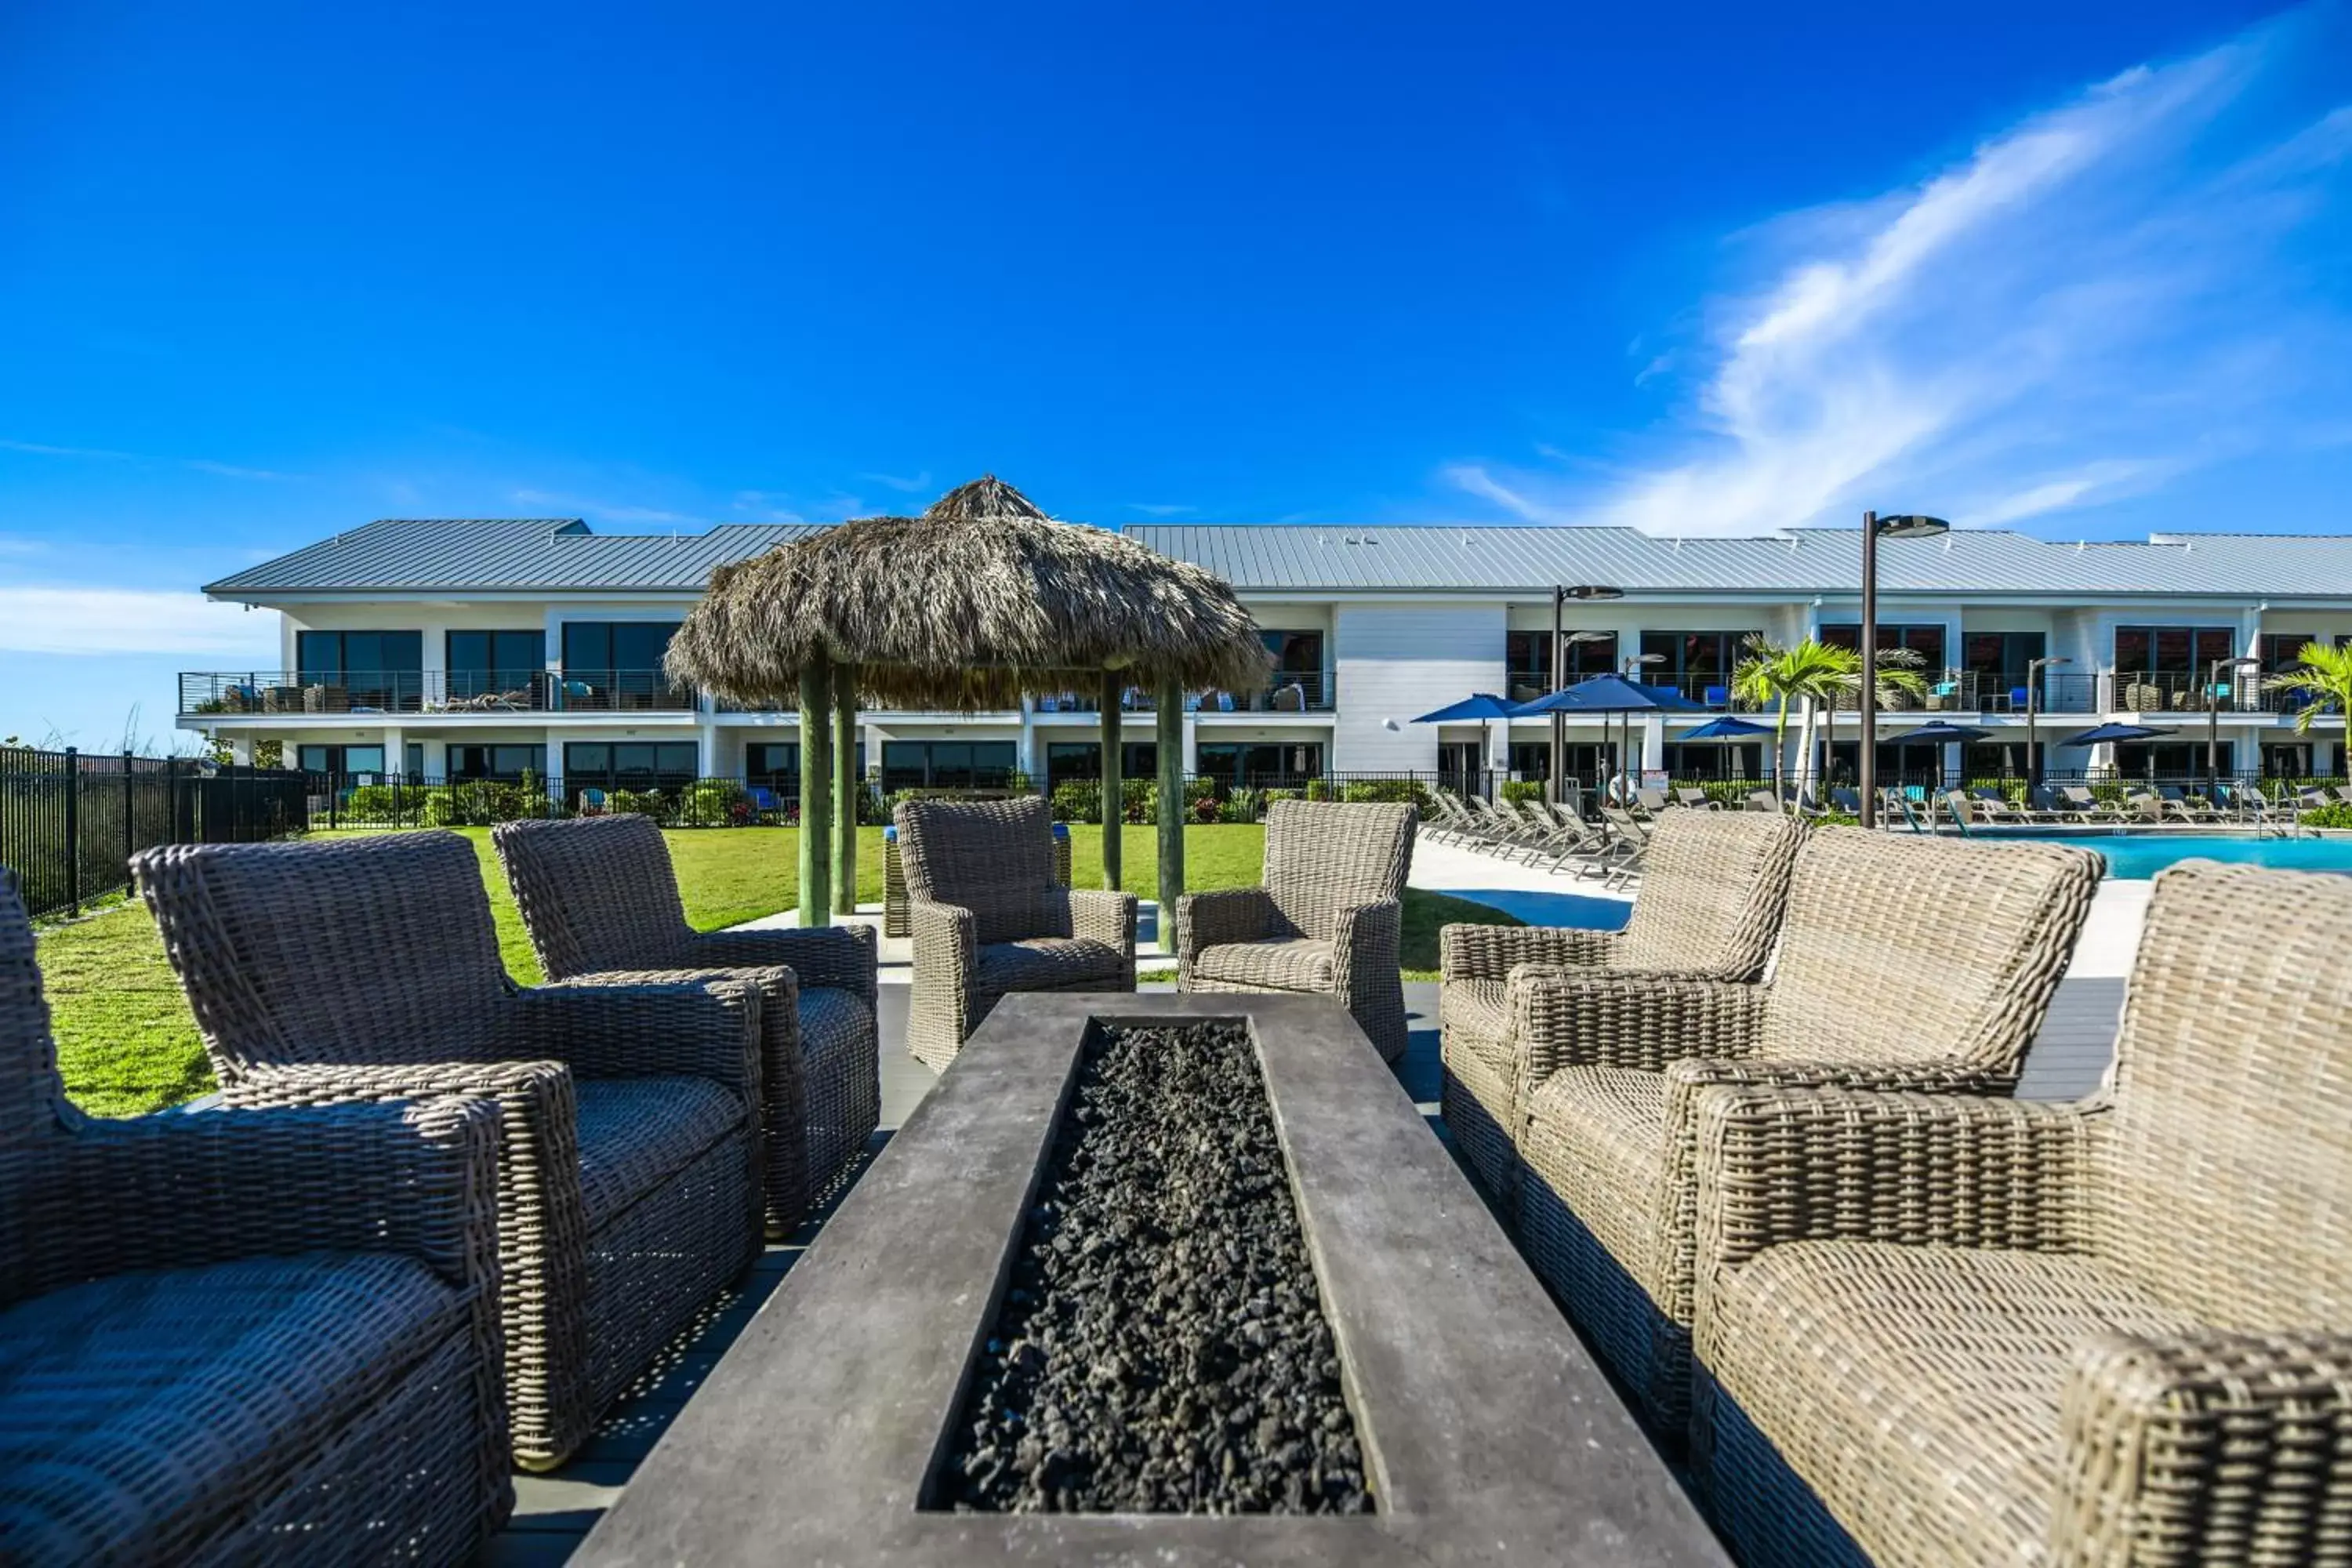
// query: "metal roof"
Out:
[1801,560]
[477,554]
[559,554]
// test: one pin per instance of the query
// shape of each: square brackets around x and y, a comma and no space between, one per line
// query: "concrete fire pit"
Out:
[840,1427]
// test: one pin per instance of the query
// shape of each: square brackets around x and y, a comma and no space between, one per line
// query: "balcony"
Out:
[297,694]
[1302,692]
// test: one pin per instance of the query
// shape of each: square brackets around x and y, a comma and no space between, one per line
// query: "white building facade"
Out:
[450,650]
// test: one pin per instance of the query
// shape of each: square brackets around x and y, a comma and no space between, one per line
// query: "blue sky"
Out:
[272,270]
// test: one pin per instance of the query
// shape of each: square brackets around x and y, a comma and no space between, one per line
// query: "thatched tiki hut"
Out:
[978,602]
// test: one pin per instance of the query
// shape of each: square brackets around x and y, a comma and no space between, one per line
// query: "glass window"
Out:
[373,670]
[1699,760]
[617,646]
[630,764]
[482,663]
[1528,660]
[345,760]
[1262,763]
[2180,653]
[506,765]
[948,764]
[1925,640]
[1082,761]
[1691,662]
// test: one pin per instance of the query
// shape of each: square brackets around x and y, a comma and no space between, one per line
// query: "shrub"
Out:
[1078,800]
[1523,789]
[1319,789]
[1207,809]
[644,802]
[1386,792]
[396,805]
[2335,816]
[713,803]
[1248,805]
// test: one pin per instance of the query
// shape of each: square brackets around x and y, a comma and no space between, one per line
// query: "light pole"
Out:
[2033,668]
[1913,525]
[2214,717]
[1629,669]
[1583,594]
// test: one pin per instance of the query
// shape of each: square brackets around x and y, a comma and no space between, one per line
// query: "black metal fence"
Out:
[69,823]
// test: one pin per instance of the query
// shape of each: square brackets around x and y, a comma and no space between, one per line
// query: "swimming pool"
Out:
[2142,856]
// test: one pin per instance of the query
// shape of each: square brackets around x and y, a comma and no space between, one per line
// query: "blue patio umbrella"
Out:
[2107,734]
[1726,729]
[1474,708]
[1609,694]
[1935,731]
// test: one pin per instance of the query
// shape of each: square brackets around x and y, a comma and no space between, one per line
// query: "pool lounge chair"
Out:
[1905,961]
[1694,798]
[1709,907]
[1964,1330]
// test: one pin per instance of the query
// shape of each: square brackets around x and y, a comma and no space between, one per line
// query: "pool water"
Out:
[2141,856]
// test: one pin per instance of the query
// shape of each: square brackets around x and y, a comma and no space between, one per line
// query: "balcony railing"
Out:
[1285,694]
[432,692]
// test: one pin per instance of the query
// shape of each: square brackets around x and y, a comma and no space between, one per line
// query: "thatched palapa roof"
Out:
[980,600]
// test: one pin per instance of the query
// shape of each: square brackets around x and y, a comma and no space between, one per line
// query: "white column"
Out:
[1025,751]
[240,751]
[1654,741]
[434,639]
[396,750]
[1192,743]
[707,761]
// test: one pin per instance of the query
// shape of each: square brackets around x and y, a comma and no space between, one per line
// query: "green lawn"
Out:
[128,1043]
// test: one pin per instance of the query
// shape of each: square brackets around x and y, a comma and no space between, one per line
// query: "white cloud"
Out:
[1159,509]
[103,454]
[910,484]
[78,618]
[2011,336]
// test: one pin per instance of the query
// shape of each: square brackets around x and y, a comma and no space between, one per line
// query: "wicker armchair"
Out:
[629,1172]
[1904,964]
[2116,1332]
[234,1336]
[601,902]
[1713,889]
[988,920]
[1328,920]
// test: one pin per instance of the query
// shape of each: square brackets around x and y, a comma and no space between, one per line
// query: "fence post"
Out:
[73,829]
[171,800]
[129,821]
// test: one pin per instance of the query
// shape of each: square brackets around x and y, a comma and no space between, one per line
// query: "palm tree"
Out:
[1774,676]
[2322,676]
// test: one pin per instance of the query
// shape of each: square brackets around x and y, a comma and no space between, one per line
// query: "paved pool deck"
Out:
[555,1511]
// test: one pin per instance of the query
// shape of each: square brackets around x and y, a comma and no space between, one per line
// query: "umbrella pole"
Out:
[844,789]
[1113,794]
[1169,716]
[816,793]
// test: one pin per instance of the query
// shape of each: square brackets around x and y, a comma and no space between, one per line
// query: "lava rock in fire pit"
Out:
[1163,1347]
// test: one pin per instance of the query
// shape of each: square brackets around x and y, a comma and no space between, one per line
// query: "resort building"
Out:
[450,650]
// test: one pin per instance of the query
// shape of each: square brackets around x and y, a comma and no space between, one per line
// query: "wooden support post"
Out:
[1170,739]
[846,789]
[1114,792]
[816,795]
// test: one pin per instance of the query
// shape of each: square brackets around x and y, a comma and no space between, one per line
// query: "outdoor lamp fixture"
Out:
[1583,594]
[1631,667]
[2033,668]
[1909,525]
[2214,692]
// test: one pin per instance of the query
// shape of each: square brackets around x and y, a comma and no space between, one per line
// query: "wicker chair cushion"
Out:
[1597,1137]
[1321,859]
[1713,886]
[1899,951]
[1477,1010]
[1916,1388]
[993,858]
[636,1133]
[1048,964]
[836,1033]
[2231,1155]
[1296,966]
[136,1408]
